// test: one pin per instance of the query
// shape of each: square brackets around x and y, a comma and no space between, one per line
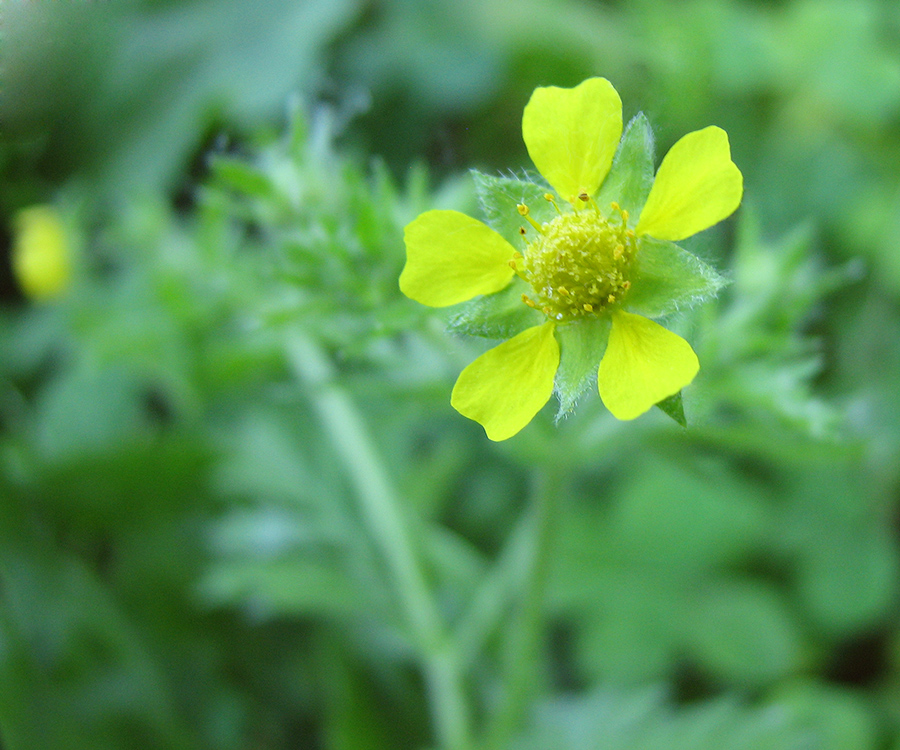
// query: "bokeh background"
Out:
[230,475]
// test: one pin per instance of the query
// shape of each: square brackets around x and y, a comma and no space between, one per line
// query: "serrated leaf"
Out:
[666,278]
[631,176]
[496,316]
[582,345]
[674,407]
[499,197]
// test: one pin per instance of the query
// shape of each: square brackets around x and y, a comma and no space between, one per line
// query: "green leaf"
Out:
[674,407]
[496,316]
[667,278]
[582,345]
[744,633]
[834,717]
[847,583]
[650,719]
[499,197]
[631,177]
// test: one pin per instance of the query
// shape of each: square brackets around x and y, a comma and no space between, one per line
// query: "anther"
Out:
[611,298]
[563,291]
[615,206]
[583,197]
[512,265]
[624,217]
[588,307]
[522,231]
[626,285]
[528,301]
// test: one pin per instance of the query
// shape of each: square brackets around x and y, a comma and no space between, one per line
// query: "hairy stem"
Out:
[382,512]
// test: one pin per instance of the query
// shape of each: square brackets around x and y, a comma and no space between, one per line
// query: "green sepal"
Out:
[499,197]
[631,176]
[667,278]
[582,345]
[496,316]
[674,407]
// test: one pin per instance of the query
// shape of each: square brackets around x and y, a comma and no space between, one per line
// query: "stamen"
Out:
[513,264]
[585,198]
[523,210]
[550,199]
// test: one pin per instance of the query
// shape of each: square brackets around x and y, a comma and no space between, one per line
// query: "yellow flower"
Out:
[40,254]
[582,265]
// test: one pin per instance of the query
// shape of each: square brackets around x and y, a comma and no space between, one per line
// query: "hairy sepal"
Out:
[496,316]
[667,279]
[631,177]
[499,197]
[582,345]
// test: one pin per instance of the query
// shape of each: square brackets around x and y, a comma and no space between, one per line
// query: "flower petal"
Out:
[451,257]
[506,386]
[644,363]
[572,135]
[697,185]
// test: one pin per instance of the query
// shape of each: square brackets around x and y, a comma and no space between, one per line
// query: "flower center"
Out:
[579,262]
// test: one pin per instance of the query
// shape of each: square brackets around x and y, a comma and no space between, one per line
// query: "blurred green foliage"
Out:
[210,440]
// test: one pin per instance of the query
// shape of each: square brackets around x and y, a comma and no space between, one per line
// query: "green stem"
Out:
[382,512]
[523,647]
[498,589]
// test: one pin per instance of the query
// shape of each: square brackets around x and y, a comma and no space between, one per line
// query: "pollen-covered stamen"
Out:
[580,263]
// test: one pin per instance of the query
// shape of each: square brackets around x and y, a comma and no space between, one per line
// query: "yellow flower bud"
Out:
[41,253]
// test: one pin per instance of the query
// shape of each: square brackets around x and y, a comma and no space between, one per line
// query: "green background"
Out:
[236,508]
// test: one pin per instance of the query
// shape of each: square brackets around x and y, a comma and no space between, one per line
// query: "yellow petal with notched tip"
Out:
[451,257]
[506,386]
[572,135]
[697,185]
[644,363]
